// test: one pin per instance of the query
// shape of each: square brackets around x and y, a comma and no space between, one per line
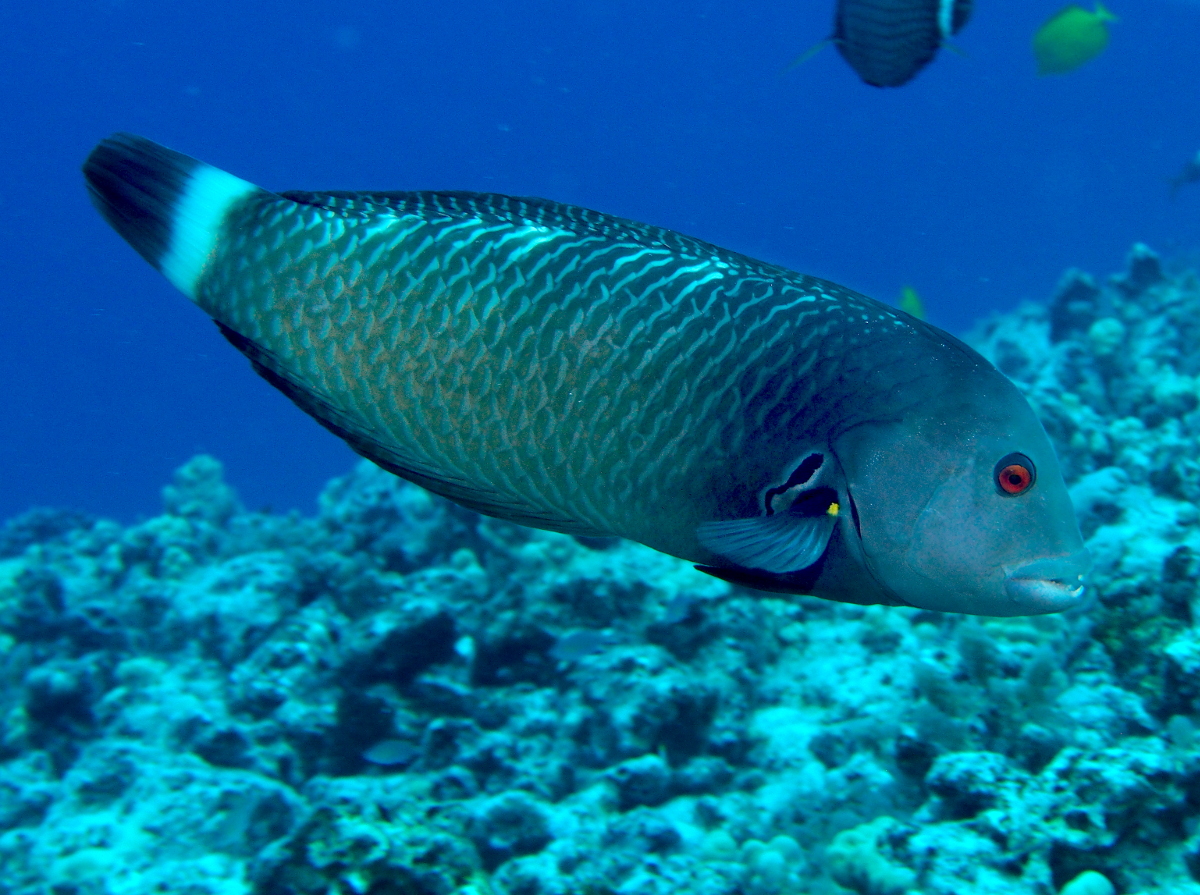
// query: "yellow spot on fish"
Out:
[1071,38]
[833,509]
[910,303]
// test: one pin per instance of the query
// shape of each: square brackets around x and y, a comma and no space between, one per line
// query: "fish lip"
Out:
[1050,584]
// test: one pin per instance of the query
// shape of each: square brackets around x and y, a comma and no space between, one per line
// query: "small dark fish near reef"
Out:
[582,643]
[1189,174]
[392,752]
[888,41]
[578,372]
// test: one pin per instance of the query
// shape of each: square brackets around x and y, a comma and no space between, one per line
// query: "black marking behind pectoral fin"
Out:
[363,441]
[783,542]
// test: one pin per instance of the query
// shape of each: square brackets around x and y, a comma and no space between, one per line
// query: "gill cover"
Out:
[963,507]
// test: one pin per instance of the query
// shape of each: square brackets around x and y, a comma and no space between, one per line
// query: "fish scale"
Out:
[563,368]
[888,41]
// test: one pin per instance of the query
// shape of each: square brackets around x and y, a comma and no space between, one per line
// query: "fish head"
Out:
[960,505]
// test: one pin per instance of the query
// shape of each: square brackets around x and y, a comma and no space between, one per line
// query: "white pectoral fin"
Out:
[783,542]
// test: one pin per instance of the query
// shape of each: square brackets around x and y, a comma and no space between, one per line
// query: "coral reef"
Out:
[400,697]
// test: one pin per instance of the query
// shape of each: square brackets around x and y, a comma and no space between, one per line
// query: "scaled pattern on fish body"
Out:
[887,42]
[570,370]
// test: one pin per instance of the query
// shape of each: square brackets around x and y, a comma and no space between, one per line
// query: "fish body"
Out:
[1189,174]
[392,752]
[573,371]
[888,41]
[910,303]
[1070,38]
[582,643]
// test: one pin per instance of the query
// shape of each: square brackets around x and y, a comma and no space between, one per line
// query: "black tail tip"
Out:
[136,183]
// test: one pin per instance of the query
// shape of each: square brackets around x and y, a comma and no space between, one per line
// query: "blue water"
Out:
[977,183]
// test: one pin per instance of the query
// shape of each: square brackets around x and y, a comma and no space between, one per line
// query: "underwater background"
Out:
[976,183]
[234,658]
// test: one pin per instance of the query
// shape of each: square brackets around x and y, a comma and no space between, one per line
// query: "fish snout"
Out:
[1048,585]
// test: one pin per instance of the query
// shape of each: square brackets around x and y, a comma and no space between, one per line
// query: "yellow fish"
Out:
[1071,38]
[910,303]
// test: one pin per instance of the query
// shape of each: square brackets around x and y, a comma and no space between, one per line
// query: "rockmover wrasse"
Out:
[578,372]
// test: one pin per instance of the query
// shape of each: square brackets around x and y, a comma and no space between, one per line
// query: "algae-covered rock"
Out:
[645,780]
[198,491]
[1143,269]
[1088,883]
[39,526]
[1075,304]
[860,859]
[509,825]
[400,697]
[777,867]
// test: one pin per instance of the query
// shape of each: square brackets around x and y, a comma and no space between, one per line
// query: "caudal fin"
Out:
[168,206]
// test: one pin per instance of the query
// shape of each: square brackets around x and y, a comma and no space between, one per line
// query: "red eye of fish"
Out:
[1014,474]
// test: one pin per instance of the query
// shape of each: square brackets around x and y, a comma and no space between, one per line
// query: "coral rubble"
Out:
[400,697]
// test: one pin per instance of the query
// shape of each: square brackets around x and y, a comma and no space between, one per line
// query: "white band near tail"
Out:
[196,224]
[946,17]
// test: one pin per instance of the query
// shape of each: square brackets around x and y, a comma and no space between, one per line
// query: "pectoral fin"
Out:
[780,543]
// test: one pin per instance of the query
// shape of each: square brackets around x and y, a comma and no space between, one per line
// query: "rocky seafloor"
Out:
[400,697]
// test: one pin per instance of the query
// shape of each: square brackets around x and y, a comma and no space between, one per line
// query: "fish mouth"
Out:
[1048,585]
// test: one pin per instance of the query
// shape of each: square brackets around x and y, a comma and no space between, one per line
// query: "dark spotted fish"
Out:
[888,41]
[578,372]
[582,643]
